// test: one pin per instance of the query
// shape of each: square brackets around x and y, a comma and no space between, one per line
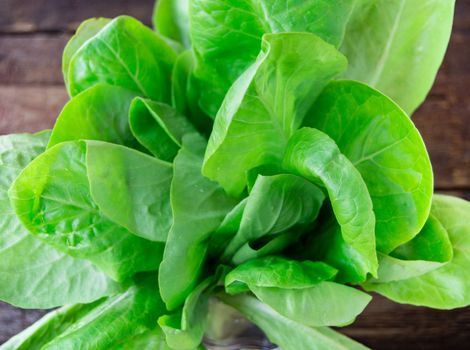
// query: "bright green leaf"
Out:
[447,287]
[387,150]
[29,268]
[276,204]
[314,155]
[158,127]
[299,336]
[397,46]
[117,318]
[185,92]
[134,192]
[184,330]
[124,53]
[98,113]
[265,272]
[52,199]
[226,36]
[267,104]
[191,195]
[85,31]
[171,19]
[299,290]
[48,327]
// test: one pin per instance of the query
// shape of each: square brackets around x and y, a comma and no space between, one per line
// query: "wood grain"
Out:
[32,36]
[21,16]
[29,108]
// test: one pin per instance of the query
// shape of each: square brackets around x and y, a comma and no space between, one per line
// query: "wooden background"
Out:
[32,36]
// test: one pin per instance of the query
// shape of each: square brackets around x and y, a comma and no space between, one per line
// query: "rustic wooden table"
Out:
[32,36]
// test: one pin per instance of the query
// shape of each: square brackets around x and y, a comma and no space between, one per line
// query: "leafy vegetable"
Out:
[85,31]
[303,294]
[277,326]
[214,162]
[276,204]
[186,248]
[227,35]
[171,18]
[185,91]
[135,181]
[446,287]
[122,316]
[264,273]
[53,323]
[68,218]
[397,46]
[158,127]
[312,154]
[30,268]
[98,113]
[127,54]
[387,150]
[267,104]
[429,250]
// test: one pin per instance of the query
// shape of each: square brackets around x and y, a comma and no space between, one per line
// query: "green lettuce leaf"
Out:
[48,327]
[276,204]
[158,127]
[397,46]
[171,19]
[429,250]
[386,148]
[32,273]
[186,247]
[85,31]
[276,327]
[264,272]
[314,155]
[226,36]
[267,104]
[299,291]
[447,287]
[52,198]
[98,113]
[133,182]
[124,53]
[123,316]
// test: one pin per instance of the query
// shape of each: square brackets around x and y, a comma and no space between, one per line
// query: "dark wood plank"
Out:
[13,320]
[59,15]
[386,325]
[29,108]
[32,58]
